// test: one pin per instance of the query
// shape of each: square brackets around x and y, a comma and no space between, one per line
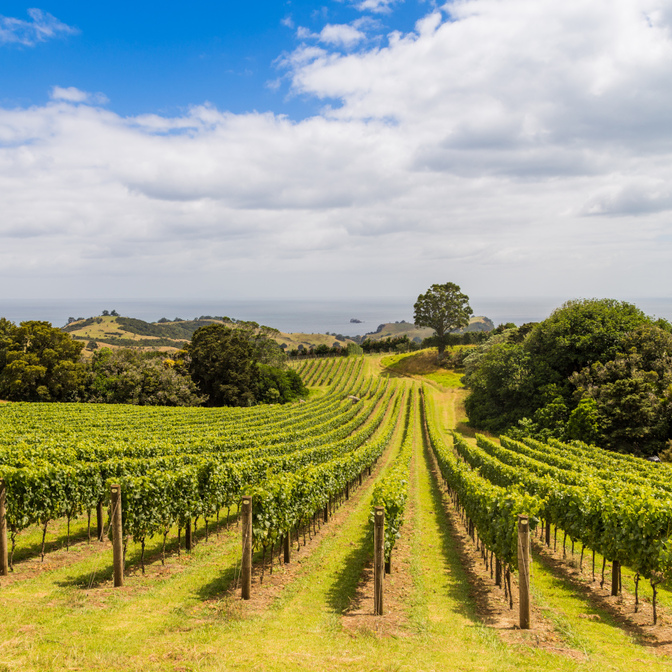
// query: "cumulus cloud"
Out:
[377,6]
[494,143]
[341,35]
[72,94]
[41,27]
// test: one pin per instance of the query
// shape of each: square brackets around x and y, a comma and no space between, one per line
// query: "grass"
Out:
[422,364]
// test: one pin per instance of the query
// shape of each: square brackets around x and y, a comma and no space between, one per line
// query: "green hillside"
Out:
[116,332]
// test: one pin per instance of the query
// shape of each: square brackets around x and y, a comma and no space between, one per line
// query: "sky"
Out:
[349,148]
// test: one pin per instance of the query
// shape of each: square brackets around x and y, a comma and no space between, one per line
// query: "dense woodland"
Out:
[598,371]
[222,365]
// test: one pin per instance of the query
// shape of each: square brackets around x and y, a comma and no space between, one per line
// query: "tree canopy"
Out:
[238,366]
[443,308]
[126,376]
[595,370]
[39,363]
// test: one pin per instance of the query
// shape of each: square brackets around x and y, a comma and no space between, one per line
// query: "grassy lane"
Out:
[589,629]
[452,636]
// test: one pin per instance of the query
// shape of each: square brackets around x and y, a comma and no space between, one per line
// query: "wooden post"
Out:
[100,527]
[187,535]
[246,567]
[326,513]
[548,532]
[614,577]
[524,571]
[4,566]
[498,572]
[378,559]
[117,536]
[347,490]
[286,546]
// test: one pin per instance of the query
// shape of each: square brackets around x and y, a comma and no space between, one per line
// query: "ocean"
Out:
[293,315]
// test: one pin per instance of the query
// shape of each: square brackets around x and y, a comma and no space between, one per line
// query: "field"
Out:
[183,611]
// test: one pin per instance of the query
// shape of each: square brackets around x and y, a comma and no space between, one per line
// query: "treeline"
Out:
[404,344]
[598,371]
[222,365]
[391,344]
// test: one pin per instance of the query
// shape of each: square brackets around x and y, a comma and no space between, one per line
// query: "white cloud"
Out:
[72,94]
[522,140]
[341,35]
[376,6]
[41,27]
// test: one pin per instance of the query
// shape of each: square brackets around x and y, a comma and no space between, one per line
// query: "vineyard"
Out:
[277,504]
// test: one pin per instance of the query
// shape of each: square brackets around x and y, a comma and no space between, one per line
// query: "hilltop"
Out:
[116,331]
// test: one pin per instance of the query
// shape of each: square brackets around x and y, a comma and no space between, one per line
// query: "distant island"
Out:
[354,320]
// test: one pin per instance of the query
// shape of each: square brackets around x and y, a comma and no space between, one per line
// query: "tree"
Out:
[597,370]
[223,365]
[444,308]
[126,376]
[39,363]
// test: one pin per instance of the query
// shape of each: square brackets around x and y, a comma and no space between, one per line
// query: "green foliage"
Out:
[615,504]
[391,491]
[240,366]
[502,391]
[223,365]
[39,363]
[493,509]
[279,385]
[443,308]
[535,378]
[584,422]
[579,333]
[131,377]
[170,464]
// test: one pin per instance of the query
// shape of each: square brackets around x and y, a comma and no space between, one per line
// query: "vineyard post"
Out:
[286,545]
[614,577]
[524,571]
[99,520]
[378,559]
[117,536]
[187,535]
[246,568]
[548,532]
[4,567]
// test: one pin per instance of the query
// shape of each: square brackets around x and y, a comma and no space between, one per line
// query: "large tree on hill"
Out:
[443,308]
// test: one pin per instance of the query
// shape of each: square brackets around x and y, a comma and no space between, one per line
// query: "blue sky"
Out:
[519,148]
[164,56]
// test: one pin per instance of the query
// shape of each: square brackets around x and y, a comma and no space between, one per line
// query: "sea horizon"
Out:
[293,315]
